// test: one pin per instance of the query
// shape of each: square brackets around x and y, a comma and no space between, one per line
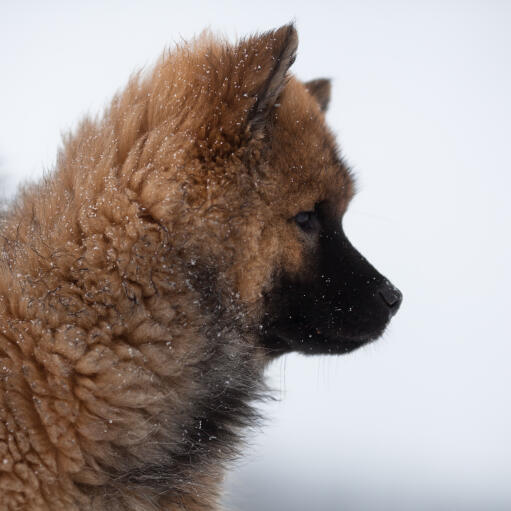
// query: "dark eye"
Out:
[307,220]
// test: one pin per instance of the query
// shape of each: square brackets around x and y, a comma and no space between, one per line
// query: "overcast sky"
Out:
[421,104]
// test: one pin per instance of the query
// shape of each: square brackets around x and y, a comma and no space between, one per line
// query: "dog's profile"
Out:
[183,240]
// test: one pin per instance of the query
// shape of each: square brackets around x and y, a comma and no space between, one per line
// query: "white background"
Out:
[421,104]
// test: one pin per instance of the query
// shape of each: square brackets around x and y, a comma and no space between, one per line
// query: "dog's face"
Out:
[324,297]
[259,172]
[320,295]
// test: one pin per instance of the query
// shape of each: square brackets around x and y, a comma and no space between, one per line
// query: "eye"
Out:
[307,220]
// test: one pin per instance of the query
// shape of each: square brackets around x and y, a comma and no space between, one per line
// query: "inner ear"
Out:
[277,53]
[320,89]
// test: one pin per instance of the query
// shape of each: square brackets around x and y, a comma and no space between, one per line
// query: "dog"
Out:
[183,240]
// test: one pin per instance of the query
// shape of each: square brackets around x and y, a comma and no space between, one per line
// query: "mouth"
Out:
[315,342]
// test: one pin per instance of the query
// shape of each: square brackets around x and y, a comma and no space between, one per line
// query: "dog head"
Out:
[252,156]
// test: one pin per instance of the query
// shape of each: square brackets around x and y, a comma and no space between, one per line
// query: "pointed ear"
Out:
[275,52]
[320,89]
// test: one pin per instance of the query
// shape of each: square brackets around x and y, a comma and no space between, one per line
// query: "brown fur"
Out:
[132,276]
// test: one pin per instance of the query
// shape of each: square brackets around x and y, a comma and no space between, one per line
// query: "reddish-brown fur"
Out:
[103,347]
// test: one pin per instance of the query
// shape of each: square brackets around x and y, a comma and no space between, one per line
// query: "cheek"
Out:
[291,251]
[273,250]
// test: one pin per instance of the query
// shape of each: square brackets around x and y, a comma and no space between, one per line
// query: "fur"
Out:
[134,279]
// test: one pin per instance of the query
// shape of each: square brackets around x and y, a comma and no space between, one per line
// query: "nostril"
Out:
[391,296]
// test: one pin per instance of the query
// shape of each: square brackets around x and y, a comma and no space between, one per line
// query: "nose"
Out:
[391,296]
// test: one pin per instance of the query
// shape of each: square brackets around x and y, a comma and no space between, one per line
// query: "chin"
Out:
[316,343]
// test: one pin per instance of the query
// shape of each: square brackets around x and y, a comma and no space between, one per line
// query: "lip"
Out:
[320,343]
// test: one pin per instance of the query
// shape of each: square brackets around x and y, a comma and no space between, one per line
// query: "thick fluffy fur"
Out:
[133,279]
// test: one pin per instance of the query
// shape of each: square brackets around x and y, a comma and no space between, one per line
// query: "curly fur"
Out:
[132,280]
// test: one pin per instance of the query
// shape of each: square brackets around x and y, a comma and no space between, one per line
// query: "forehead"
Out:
[304,156]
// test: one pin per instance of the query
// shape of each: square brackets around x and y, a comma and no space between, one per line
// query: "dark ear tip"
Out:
[288,36]
[292,34]
[289,29]
[280,47]
[320,89]
[323,84]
